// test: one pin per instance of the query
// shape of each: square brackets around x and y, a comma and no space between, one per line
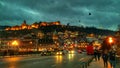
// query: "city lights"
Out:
[110,40]
[15,43]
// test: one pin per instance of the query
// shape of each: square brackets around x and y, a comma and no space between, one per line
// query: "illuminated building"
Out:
[24,25]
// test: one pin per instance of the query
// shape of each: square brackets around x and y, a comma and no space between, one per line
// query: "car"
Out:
[60,53]
[47,53]
[71,52]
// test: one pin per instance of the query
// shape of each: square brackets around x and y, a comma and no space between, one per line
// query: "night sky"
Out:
[98,13]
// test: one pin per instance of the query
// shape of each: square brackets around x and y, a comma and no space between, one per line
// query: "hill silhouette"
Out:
[57,28]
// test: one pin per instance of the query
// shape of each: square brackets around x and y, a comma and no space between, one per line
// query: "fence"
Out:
[84,62]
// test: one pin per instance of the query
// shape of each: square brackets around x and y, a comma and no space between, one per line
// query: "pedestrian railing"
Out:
[84,62]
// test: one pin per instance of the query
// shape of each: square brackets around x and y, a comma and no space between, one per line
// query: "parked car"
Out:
[47,53]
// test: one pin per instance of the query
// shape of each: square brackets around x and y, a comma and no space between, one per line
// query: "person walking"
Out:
[98,54]
[112,58]
[105,47]
[95,54]
[105,57]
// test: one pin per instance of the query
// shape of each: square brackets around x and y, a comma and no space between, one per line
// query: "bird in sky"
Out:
[89,13]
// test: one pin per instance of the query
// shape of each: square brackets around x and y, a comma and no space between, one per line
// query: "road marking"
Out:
[53,65]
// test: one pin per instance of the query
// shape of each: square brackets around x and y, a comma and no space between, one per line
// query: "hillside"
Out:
[3,27]
[57,28]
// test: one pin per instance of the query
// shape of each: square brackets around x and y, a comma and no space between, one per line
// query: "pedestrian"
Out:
[98,54]
[105,57]
[105,47]
[112,58]
[95,54]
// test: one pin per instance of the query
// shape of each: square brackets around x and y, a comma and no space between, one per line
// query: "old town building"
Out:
[24,25]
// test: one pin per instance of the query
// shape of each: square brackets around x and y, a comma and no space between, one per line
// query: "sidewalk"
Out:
[98,64]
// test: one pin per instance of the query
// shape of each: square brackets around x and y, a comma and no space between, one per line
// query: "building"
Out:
[24,25]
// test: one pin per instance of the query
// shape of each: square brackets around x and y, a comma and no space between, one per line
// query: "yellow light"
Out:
[110,40]
[72,51]
[31,42]
[15,43]
[57,53]
[59,59]
[60,52]
[12,59]
[70,56]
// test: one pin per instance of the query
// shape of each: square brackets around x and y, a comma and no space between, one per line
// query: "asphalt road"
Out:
[64,61]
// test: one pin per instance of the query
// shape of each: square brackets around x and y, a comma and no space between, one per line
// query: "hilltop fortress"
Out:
[24,25]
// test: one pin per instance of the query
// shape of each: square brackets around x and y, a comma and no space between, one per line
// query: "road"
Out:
[64,61]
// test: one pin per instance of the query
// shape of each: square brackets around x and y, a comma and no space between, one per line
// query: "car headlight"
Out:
[57,52]
[72,51]
[60,52]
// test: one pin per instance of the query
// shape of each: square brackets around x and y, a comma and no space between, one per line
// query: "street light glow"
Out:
[15,43]
[110,40]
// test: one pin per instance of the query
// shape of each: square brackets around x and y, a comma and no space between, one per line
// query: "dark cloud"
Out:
[104,13]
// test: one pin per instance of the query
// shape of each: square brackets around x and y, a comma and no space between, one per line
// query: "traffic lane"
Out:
[17,62]
[45,62]
[67,61]
[21,59]
[71,61]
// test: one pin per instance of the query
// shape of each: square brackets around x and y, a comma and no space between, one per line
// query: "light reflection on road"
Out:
[12,65]
[58,61]
[12,59]
[12,62]
[59,58]
[70,56]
